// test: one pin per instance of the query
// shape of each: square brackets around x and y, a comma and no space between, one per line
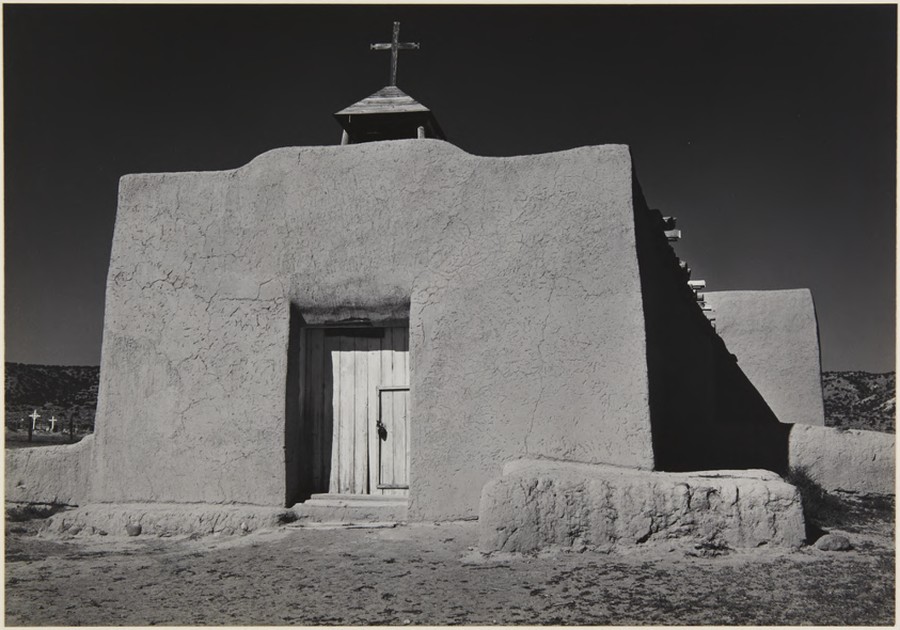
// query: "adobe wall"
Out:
[520,276]
[49,474]
[775,336]
[706,414]
[848,460]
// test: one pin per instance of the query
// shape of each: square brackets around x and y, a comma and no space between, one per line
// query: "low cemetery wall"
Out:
[845,459]
[49,474]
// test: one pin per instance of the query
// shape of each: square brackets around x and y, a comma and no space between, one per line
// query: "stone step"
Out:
[342,508]
[354,504]
[356,498]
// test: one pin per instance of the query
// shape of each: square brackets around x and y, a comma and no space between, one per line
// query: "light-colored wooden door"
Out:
[345,371]
[393,440]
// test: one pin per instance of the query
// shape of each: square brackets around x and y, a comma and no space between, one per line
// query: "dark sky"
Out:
[769,131]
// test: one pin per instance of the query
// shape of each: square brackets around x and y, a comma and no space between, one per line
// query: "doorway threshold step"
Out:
[351,508]
[355,498]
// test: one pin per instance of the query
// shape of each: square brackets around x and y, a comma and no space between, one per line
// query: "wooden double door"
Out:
[357,407]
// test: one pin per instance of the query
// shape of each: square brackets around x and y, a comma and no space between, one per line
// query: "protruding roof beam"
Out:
[673,235]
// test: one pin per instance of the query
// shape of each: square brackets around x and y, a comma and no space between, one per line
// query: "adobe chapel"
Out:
[393,322]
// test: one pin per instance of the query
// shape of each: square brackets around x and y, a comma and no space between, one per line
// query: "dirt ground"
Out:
[430,574]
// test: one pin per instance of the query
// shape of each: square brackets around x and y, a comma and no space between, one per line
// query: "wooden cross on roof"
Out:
[395,47]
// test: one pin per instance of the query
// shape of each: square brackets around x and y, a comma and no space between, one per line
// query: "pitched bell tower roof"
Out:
[388,100]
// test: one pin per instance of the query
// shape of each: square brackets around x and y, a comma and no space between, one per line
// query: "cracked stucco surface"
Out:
[539,504]
[526,333]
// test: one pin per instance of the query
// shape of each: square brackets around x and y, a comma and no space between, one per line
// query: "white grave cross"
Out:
[34,417]
[52,424]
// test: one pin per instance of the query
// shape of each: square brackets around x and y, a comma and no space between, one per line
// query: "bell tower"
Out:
[389,113]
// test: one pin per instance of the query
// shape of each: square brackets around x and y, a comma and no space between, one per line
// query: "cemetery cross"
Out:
[34,416]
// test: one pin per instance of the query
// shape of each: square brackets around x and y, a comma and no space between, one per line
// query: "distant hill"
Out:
[853,400]
[68,392]
[860,400]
